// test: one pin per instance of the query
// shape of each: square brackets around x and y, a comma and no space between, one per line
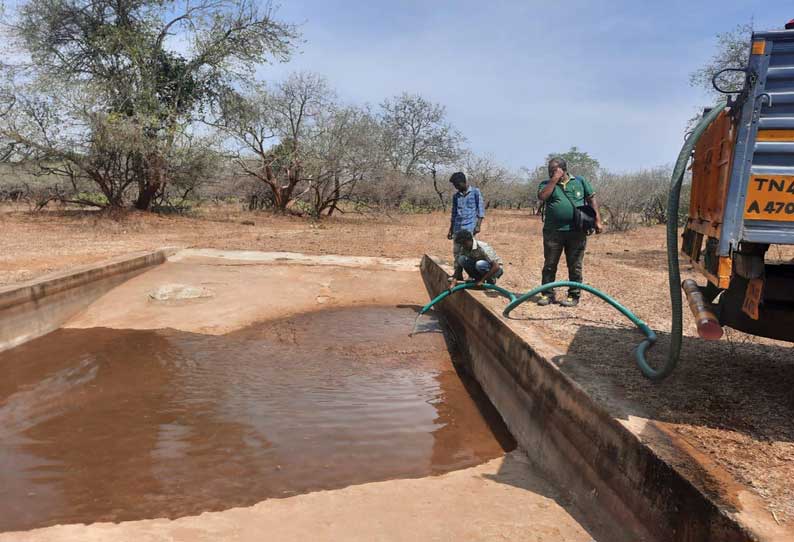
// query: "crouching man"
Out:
[477,258]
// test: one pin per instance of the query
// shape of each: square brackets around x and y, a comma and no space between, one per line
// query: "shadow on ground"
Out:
[727,407]
[742,387]
[517,471]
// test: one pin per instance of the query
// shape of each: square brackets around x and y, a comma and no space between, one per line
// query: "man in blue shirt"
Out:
[468,210]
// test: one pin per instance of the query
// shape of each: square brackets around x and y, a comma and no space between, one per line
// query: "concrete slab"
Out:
[244,287]
[253,256]
[500,500]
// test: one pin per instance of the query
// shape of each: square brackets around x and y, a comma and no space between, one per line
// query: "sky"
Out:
[522,79]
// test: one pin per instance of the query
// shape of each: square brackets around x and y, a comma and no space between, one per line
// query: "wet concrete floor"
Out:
[110,425]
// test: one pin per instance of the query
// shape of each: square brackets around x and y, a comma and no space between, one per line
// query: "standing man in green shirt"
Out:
[561,194]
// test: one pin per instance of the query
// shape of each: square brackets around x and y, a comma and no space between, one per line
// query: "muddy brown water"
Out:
[112,425]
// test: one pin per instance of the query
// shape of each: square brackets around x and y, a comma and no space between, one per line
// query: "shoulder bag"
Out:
[583,215]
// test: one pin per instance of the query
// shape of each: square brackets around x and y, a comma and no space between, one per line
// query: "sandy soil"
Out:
[731,398]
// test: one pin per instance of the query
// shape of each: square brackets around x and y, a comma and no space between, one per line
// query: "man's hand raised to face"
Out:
[554,177]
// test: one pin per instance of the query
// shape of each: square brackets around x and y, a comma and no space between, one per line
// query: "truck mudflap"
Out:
[774,308]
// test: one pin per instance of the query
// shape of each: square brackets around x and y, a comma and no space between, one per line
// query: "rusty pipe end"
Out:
[708,325]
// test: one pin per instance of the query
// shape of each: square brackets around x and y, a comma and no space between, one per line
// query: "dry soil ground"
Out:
[731,398]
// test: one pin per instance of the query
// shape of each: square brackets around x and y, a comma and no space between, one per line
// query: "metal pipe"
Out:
[706,320]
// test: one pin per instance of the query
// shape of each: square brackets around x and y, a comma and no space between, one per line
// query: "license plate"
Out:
[770,197]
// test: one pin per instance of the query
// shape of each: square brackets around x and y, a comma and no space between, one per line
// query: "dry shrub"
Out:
[630,199]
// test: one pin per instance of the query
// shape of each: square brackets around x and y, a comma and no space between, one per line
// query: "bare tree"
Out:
[194,165]
[417,138]
[7,145]
[655,185]
[638,197]
[106,160]
[271,128]
[344,153]
[484,172]
[733,51]
[533,178]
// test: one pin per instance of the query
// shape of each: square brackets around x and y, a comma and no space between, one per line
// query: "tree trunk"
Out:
[155,173]
[336,196]
[282,194]
[439,192]
[145,196]
[279,200]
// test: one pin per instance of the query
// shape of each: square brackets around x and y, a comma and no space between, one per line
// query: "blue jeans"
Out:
[477,269]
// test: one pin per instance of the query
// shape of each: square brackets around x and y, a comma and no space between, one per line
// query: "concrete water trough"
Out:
[210,395]
[214,395]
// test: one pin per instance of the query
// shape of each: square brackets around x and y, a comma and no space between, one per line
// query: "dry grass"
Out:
[730,398]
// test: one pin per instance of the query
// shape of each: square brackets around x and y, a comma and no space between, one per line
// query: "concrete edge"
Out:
[34,308]
[53,283]
[252,257]
[576,442]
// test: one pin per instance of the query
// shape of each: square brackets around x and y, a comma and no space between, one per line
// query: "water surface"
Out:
[113,425]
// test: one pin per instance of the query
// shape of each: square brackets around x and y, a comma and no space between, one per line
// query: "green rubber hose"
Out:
[674,272]
[651,336]
[516,300]
[465,286]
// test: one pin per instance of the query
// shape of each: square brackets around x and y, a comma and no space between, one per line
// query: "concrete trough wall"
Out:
[36,308]
[630,490]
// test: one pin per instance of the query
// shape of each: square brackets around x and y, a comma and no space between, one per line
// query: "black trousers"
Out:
[573,244]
